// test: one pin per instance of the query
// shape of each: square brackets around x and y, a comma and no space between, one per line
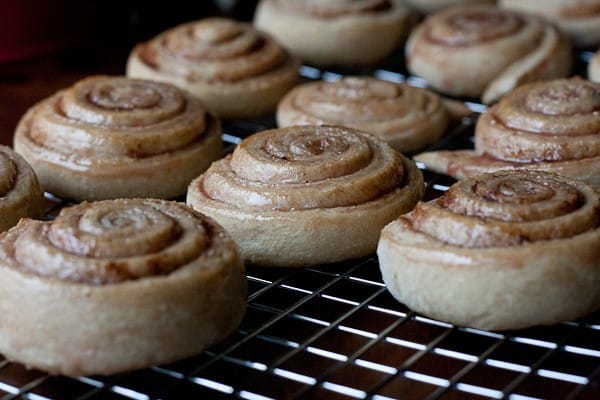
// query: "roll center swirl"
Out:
[104,233]
[467,27]
[124,97]
[301,155]
[570,97]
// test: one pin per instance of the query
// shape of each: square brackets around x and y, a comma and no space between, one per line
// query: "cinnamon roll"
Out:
[594,68]
[406,117]
[551,125]
[20,193]
[306,195]
[336,32]
[237,71]
[482,51]
[430,6]
[116,285]
[498,251]
[109,137]
[579,19]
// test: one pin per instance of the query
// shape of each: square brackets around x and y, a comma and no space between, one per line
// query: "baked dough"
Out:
[430,6]
[482,51]
[336,32]
[117,285]
[594,68]
[20,192]
[580,19]
[498,251]
[307,195]
[552,125]
[237,71]
[408,118]
[110,137]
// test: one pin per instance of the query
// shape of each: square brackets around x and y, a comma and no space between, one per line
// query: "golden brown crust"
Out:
[499,251]
[481,51]
[237,71]
[406,117]
[338,32]
[109,137]
[305,195]
[20,192]
[579,19]
[552,126]
[124,284]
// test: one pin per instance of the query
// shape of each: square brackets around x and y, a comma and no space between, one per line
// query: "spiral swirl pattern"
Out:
[118,133]
[580,19]
[220,61]
[20,193]
[116,285]
[336,32]
[482,51]
[506,246]
[406,117]
[299,177]
[112,241]
[552,125]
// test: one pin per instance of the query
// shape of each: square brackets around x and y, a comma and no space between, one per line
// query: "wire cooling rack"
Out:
[334,332]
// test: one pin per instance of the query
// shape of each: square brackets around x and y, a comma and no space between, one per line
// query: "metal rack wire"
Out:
[334,332]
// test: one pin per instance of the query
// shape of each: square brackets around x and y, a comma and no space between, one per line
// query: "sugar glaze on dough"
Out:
[551,126]
[117,285]
[307,195]
[498,251]
[109,137]
[483,52]
[237,71]
[407,118]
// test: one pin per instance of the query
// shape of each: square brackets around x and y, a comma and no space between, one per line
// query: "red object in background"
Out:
[32,27]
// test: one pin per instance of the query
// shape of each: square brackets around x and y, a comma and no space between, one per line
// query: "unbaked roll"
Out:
[580,19]
[116,285]
[109,137]
[406,117]
[237,71]
[482,51]
[552,125]
[430,6]
[336,32]
[498,251]
[306,195]
[594,68]
[20,192]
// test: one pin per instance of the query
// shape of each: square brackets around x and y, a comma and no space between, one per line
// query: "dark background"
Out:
[46,46]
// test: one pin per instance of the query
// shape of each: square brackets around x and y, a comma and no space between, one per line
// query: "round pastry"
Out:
[430,6]
[594,68]
[109,137]
[552,125]
[237,71]
[406,117]
[116,285]
[20,192]
[498,251]
[306,195]
[336,32]
[579,19]
[481,51]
